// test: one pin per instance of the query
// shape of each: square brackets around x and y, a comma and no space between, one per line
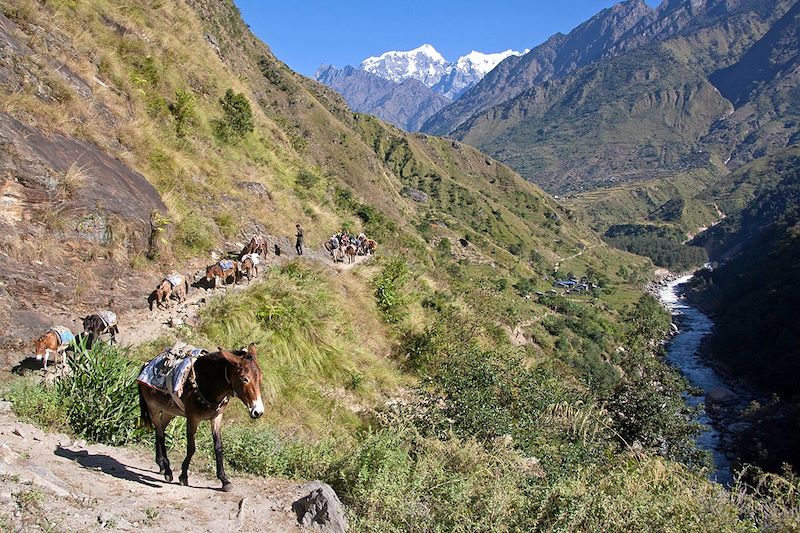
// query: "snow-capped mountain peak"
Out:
[427,65]
[482,63]
[424,63]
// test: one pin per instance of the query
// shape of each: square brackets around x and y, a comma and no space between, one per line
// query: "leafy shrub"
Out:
[182,110]
[237,117]
[389,285]
[306,179]
[100,394]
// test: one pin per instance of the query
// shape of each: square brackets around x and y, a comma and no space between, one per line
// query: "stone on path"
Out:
[320,508]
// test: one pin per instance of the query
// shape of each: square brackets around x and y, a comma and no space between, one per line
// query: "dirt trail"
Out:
[51,482]
[141,325]
[580,253]
[54,483]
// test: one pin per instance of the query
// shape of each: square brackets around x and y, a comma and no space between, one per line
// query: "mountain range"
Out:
[406,88]
[639,92]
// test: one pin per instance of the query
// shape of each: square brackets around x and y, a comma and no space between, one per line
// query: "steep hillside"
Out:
[442,384]
[635,116]
[131,165]
[555,58]
[406,104]
[763,85]
[567,116]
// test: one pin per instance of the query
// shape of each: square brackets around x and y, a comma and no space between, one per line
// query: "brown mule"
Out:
[350,252]
[370,246]
[249,267]
[257,245]
[166,290]
[52,343]
[214,379]
[222,270]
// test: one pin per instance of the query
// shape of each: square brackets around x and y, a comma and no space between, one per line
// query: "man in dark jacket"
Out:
[299,244]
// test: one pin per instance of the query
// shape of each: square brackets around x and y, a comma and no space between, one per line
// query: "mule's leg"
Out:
[216,432]
[160,421]
[191,430]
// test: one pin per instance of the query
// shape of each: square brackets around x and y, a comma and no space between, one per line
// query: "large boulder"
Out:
[719,397]
[320,508]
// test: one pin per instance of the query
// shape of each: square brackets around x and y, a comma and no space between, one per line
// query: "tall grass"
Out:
[310,346]
[97,399]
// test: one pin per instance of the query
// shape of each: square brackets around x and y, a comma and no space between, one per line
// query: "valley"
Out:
[498,364]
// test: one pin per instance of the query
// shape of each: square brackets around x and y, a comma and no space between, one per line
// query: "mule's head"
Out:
[40,346]
[211,272]
[246,378]
[156,297]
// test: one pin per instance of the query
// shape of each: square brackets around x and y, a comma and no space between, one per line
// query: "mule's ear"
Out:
[251,349]
[230,357]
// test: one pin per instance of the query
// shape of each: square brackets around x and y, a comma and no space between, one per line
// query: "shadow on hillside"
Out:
[203,283]
[27,364]
[108,465]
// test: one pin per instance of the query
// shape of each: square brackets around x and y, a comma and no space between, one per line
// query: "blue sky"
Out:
[306,33]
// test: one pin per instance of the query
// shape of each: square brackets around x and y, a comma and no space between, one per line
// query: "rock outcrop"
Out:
[321,508]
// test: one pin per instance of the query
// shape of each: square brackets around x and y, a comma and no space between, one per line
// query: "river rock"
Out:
[719,397]
[740,427]
[320,508]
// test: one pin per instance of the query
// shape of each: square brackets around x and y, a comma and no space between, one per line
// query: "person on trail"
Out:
[299,244]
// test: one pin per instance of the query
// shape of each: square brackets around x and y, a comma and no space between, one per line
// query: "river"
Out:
[683,351]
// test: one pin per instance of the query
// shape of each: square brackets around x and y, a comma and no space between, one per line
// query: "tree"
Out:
[237,117]
[647,322]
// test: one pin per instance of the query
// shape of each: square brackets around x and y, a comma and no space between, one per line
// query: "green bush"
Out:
[182,110]
[237,117]
[101,396]
[195,234]
[306,179]
[389,289]
[34,402]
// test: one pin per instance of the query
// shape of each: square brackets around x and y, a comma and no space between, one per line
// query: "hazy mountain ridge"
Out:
[406,104]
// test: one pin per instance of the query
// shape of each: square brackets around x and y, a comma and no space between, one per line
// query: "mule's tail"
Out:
[186,284]
[144,411]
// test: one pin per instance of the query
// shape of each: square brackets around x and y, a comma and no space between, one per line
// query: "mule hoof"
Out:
[184,480]
[227,487]
[168,476]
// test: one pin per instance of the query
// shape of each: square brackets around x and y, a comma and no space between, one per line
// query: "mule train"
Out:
[343,244]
